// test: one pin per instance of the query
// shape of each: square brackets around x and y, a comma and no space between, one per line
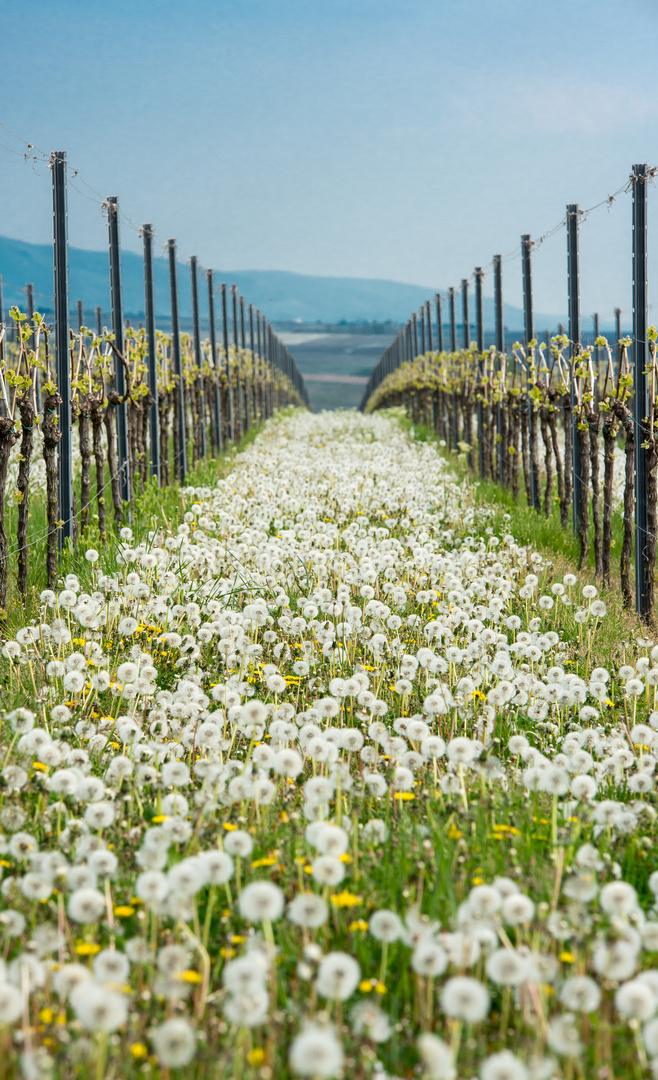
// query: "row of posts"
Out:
[416,338]
[263,342]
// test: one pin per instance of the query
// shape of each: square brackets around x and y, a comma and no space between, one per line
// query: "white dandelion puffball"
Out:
[464,998]
[338,976]
[503,1066]
[436,1056]
[11,1003]
[86,905]
[261,901]
[174,1043]
[308,909]
[98,1008]
[316,1052]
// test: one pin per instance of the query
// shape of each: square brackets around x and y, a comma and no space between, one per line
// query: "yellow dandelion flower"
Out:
[345,899]
[87,948]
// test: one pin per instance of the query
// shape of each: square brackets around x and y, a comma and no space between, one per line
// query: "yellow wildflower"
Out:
[189,976]
[345,899]
[87,948]
[358,924]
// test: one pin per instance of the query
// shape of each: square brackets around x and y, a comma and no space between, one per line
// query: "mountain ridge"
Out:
[282,295]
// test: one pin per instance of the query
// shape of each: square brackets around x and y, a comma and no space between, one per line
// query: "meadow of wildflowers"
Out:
[325,779]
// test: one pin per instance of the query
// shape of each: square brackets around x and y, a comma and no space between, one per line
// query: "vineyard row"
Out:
[139,403]
[502,403]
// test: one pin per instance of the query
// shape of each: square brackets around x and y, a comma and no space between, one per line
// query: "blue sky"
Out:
[403,139]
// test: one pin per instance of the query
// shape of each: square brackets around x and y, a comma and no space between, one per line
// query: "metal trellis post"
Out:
[499,315]
[198,359]
[62,358]
[229,396]
[466,319]
[212,332]
[181,464]
[246,390]
[439,322]
[29,297]
[453,320]
[149,316]
[529,331]
[479,333]
[573,273]
[618,329]
[236,346]
[597,352]
[641,402]
[123,459]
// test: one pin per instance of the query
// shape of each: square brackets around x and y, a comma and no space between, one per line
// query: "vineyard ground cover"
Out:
[529,526]
[559,547]
[369,902]
[152,506]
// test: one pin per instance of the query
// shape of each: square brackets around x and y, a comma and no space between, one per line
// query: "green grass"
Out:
[531,527]
[440,845]
[153,507]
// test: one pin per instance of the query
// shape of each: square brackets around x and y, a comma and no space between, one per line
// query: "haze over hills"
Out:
[281,295]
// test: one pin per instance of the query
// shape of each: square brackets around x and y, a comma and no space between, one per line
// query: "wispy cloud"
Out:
[543,105]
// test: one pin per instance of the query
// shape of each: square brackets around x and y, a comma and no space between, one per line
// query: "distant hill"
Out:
[281,296]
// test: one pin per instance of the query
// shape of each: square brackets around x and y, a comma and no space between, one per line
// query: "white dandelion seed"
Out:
[174,1043]
[464,998]
[316,1052]
[338,976]
[261,901]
